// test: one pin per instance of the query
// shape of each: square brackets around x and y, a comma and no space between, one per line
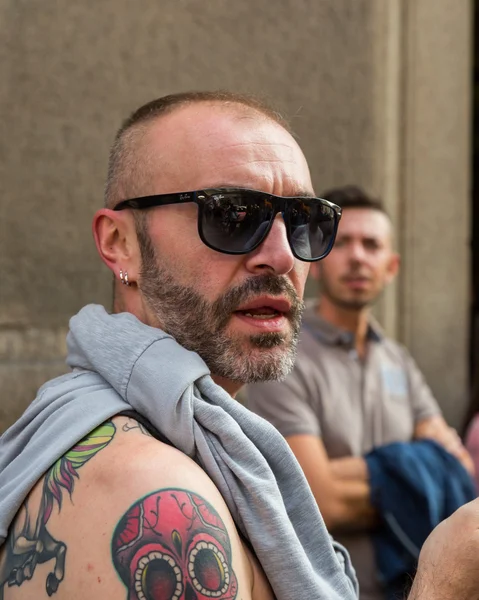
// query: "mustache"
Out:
[271,285]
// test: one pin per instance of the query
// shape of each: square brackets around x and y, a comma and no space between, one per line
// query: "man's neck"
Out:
[354,320]
[232,387]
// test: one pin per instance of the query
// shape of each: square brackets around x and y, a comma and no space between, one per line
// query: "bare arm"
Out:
[142,521]
[340,486]
[449,561]
[350,468]
[436,428]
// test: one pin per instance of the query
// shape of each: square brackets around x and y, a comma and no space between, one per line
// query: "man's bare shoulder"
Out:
[123,515]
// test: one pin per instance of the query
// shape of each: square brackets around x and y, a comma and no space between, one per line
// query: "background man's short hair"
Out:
[353,196]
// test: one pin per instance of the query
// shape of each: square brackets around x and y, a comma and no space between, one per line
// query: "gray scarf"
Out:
[118,364]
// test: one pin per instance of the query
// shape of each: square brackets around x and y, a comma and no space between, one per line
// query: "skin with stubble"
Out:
[202,326]
[448,563]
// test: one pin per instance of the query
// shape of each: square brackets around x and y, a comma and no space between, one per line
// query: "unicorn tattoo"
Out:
[29,542]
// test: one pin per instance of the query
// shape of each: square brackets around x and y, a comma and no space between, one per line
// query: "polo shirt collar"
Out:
[333,335]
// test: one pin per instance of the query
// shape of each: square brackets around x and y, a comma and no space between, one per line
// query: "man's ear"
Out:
[116,242]
[393,266]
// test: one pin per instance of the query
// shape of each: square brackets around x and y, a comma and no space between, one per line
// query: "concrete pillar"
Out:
[424,172]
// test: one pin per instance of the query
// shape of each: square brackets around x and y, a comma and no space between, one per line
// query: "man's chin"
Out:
[270,357]
[270,341]
[356,302]
[257,359]
[274,369]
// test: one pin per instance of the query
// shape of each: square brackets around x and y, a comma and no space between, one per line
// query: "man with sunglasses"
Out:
[137,475]
[177,491]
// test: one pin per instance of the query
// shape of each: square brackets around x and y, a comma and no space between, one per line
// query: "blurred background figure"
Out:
[354,390]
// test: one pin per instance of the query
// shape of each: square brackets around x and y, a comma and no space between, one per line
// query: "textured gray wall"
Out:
[71,71]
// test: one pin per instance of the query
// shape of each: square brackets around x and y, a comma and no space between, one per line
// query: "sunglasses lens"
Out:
[313,228]
[235,221]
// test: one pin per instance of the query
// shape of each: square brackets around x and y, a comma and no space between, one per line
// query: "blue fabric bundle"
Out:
[414,486]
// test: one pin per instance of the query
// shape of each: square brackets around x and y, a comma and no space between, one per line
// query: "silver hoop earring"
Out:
[124,278]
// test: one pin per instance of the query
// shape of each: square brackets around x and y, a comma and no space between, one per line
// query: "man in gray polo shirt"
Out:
[352,389]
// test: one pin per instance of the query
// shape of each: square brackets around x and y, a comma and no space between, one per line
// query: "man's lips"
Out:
[358,282]
[278,305]
[265,314]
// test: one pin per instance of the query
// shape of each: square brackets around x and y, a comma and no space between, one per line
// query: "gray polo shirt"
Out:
[353,405]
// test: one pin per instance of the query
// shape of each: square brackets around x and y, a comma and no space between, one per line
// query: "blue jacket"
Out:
[414,486]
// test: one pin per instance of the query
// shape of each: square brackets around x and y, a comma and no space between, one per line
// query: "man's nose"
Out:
[274,253]
[356,252]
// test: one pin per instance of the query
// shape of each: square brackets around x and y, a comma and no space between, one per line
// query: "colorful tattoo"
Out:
[29,542]
[173,545]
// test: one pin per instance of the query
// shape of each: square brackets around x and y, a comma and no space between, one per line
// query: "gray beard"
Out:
[200,326]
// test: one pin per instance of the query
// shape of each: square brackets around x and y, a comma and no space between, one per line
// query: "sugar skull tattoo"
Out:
[173,545]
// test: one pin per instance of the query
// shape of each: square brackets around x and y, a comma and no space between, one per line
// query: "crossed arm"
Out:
[449,561]
[341,486]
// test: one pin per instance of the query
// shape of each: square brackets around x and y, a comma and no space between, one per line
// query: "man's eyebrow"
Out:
[297,192]
[305,193]
[364,238]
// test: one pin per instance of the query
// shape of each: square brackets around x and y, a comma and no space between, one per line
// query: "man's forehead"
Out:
[211,123]
[365,222]
[194,141]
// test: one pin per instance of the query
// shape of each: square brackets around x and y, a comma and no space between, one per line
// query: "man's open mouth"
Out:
[265,308]
[263,312]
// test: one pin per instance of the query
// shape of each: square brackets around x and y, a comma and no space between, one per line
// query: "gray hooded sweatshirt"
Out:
[119,364]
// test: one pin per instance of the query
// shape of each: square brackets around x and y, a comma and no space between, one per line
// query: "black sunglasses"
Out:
[236,221]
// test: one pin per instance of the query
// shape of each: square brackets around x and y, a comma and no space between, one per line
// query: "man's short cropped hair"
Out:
[353,196]
[127,172]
